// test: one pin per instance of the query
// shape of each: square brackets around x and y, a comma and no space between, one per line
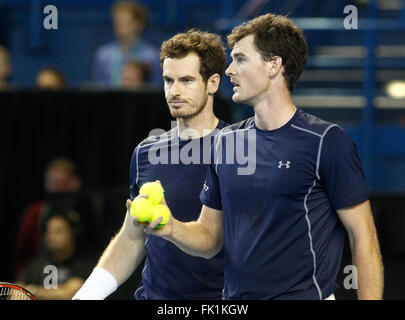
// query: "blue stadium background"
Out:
[349,73]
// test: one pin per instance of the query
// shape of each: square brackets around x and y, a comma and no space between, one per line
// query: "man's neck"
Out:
[274,111]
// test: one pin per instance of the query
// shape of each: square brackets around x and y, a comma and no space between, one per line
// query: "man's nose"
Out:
[175,90]
[230,70]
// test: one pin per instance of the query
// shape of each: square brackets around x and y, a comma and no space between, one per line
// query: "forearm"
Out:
[366,257]
[123,255]
[195,239]
[370,271]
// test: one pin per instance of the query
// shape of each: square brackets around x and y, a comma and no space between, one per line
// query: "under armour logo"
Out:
[281,164]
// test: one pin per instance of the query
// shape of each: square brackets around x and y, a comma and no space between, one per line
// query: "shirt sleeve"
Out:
[133,175]
[210,194]
[340,170]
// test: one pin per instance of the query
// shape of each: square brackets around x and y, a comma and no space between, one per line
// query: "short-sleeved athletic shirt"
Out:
[181,167]
[279,191]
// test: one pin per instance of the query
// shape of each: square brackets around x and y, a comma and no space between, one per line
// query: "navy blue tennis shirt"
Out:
[181,166]
[279,191]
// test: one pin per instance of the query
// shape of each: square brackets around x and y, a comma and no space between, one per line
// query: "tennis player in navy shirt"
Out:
[283,186]
[192,64]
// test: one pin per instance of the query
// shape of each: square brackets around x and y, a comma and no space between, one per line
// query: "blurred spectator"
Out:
[62,193]
[5,68]
[51,78]
[134,75]
[129,19]
[67,266]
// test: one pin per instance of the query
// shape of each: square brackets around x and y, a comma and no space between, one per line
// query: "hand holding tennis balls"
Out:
[150,205]
[160,210]
[154,190]
[142,209]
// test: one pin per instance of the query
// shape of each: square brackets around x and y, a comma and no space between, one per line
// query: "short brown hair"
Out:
[207,46]
[138,12]
[275,35]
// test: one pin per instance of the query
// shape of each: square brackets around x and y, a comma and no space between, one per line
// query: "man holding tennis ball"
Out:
[282,227]
[147,210]
[193,64]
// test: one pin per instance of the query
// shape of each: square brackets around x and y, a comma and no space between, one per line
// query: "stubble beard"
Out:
[188,114]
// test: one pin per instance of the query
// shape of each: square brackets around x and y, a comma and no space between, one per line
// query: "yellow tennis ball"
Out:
[160,210]
[154,190]
[142,209]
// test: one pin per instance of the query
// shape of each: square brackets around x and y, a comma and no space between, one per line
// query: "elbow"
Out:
[216,248]
[209,255]
[213,240]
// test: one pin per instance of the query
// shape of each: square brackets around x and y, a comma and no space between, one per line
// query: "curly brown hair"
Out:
[275,35]
[208,46]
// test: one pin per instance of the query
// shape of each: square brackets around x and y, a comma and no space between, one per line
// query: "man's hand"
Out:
[201,238]
[132,228]
[150,228]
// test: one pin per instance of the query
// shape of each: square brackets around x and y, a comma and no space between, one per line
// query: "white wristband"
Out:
[98,286]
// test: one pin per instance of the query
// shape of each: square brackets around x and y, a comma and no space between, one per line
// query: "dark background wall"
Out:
[97,130]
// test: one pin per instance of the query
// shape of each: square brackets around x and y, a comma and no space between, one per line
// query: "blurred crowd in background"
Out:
[59,229]
[128,62]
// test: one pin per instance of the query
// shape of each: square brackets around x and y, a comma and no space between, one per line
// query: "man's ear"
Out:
[213,83]
[275,66]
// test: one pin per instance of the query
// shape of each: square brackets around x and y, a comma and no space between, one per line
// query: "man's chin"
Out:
[182,114]
[176,113]
[239,100]
[236,98]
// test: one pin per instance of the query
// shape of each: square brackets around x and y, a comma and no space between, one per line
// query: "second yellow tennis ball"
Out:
[142,209]
[154,190]
[160,210]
